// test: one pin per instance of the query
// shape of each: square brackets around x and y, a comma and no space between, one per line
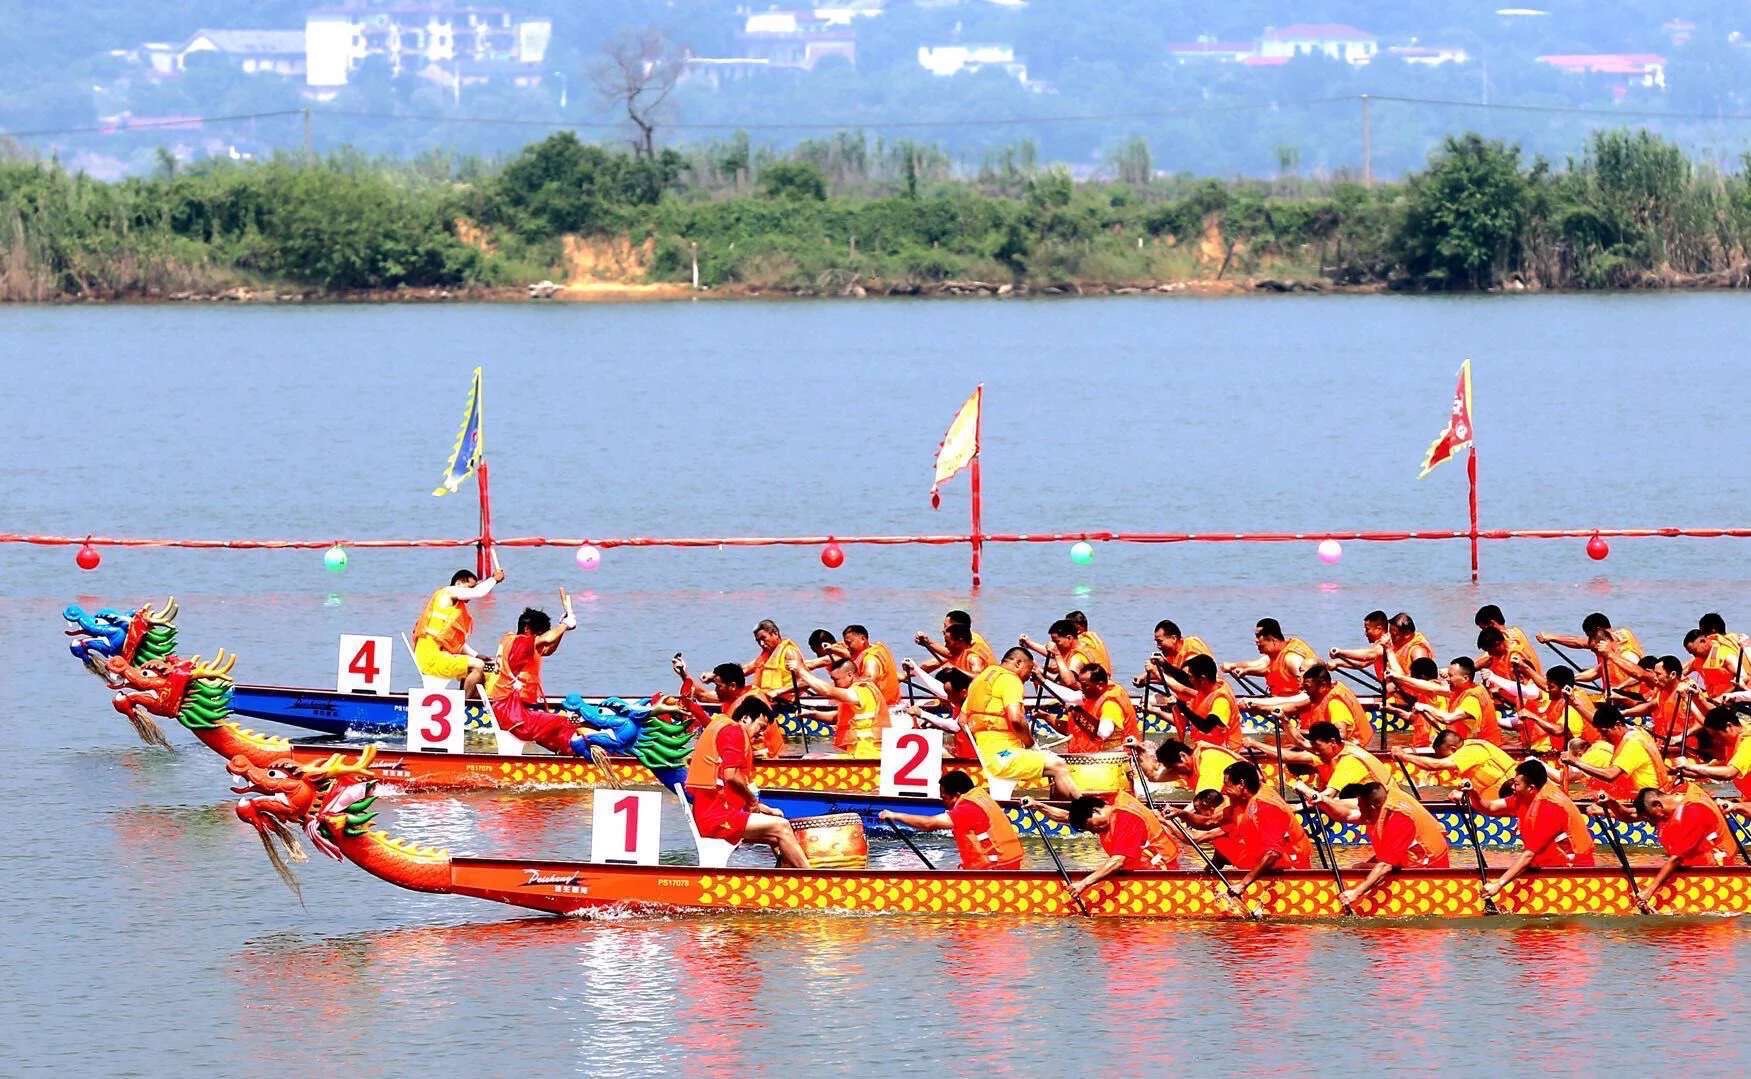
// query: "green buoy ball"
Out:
[1082,552]
[334,560]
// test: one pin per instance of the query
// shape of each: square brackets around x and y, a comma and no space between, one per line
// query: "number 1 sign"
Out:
[626,826]
[434,720]
[364,664]
[911,763]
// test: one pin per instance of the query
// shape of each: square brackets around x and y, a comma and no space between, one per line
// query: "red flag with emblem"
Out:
[1457,436]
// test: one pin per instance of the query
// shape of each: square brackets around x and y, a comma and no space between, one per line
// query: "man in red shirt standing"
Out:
[1552,828]
[726,804]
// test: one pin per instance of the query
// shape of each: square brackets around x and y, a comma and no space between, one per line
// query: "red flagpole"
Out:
[978,540]
[483,556]
[1471,482]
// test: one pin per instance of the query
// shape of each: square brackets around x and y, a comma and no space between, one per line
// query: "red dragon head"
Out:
[284,796]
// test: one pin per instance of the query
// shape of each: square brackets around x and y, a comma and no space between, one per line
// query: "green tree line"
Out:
[1629,210]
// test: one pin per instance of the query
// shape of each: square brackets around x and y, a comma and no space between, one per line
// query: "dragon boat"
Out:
[333,804]
[797,787]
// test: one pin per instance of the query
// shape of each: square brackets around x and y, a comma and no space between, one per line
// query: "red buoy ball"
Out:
[1597,548]
[832,556]
[87,557]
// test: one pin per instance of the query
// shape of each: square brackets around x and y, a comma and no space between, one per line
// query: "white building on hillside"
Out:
[254,52]
[437,40]
[1334,40]
[944,60]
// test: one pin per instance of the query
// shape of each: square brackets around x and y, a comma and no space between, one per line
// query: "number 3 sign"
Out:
[911,763]
[625,826]
[434,720]
[364,664]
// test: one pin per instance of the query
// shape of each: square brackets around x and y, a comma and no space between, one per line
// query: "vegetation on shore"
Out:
[845,214]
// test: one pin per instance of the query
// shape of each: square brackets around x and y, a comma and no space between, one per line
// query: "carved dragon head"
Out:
[146,636]
[327,800]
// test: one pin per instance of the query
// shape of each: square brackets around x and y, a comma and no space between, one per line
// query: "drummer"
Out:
[440,637]
[720,782]
[513,689]
[984,834]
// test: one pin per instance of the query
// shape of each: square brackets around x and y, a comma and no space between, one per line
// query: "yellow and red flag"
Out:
[959,446]
[1457,436]
[465,454]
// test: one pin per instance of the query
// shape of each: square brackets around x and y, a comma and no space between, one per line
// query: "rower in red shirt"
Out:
[984,834]
[1402,833]
[1133,837]
[1552,828]
[513,688]
[1258,832]
[720,784]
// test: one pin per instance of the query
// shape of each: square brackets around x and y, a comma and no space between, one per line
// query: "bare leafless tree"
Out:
[637,73]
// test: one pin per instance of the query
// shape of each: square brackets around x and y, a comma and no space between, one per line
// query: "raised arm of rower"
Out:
[1355,658]
[1565,640]
[819,686]
[938,822]
[1248,666]
[923,681]
[940,654]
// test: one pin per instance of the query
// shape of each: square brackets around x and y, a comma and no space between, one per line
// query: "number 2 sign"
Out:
[364,664]
[911,763]
[434,720]
[625,826]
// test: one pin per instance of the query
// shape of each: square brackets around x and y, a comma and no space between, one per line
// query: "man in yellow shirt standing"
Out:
[995,716]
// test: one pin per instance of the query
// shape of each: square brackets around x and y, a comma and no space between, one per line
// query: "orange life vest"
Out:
[982,649]
[704,766]
[1188,647]
[446,621]
[1280,680]
[1084,719]
[1430,846]
[1320,711]
[1159,849]
[771,674]
[998,846]
[1231,734]
[877,663]
[1489,724]
[772,739]
[863,721]
[1520,644]
[970,662]
[519,671]
[1578,848]
[1719,842]
[979,711]
[1095,649]
[1418,646]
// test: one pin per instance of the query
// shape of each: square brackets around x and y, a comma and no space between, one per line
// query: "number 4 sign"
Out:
[364,664]
[434,720]
[911,763]
[626,826]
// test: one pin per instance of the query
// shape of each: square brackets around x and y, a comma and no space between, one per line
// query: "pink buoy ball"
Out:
[589,558]
[1597,548]
[832,555]
[87,558]
[1330,550]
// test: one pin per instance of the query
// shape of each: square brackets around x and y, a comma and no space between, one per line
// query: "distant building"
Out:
[444,42]
[1429,55]
[798,39]
[1334,40]
[1208,50]
[253,52]
[945,60]
[1644,69]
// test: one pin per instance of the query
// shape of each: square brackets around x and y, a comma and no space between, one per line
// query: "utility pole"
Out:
[1367,143]
[309,152]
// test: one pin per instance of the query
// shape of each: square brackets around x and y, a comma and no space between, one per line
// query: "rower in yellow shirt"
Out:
[1482,764]
[1623,762]
[995,716]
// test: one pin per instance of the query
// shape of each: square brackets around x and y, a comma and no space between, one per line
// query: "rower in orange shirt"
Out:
[1690,827]
[1672,708]
[1090,641]
[874,661]
[1562,714]
[1402,833]
[1371,656]
[1258,833]
[1469,708]
[983,833]
[1625,760]
[1618,651]
[862,715]
[770,671]
[1066,657]
[1205,708]
[1490,616]
[440,634]
[726,686]
[1281,660]
[1728,756]
[1479,765]
[1553,829]
[1423,673]
[513,689]
[1405,644]
[719,782]
[1725,669]
[943,653]
[1133,837]
[1498,672]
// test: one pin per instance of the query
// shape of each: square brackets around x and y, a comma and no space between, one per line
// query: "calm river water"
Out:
[144,934]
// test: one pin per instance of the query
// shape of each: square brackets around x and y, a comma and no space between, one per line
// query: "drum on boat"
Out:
[1099,773]
[833,841]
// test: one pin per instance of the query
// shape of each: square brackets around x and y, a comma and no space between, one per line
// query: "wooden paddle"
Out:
[1463,799]
[1064,873]
[1315,825]
[1616,841]
[906,839]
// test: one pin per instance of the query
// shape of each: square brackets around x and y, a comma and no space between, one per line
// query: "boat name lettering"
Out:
[535,876]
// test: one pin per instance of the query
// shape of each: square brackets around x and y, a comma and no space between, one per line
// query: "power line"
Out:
[146,125]
[1574,110]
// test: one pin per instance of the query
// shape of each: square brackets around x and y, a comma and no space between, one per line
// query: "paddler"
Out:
[1618,651]
[1690,827]
[1371,656]
[1490,616]
[1067,655]
[1728,753]
[874,661]
[949,686]
[770,674]
[1467,707]
[862,714]
[1090,641]
[440,636]
[1553,829]
[1561,715]
[984,834]
[983,656]
[1672,707]
[1714,666]
[1402,834]
[1405,644]
[1204,707]
[1133,837]
[1101,717]
[1336,761]
[720,782]
[1499,669]
[1728,655]
[1001,733]
[1197,767]
[1480,765]
[728,685]
[1320,700]
[513,689]
[1281,660]
[1174,648]
[1625,760]
[1258,832]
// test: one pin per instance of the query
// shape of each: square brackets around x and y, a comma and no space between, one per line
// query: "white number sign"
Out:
[364,664]
[626,827]
[911,763]
[435,718]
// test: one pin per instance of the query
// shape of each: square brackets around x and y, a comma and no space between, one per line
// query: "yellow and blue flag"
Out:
[465,455]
